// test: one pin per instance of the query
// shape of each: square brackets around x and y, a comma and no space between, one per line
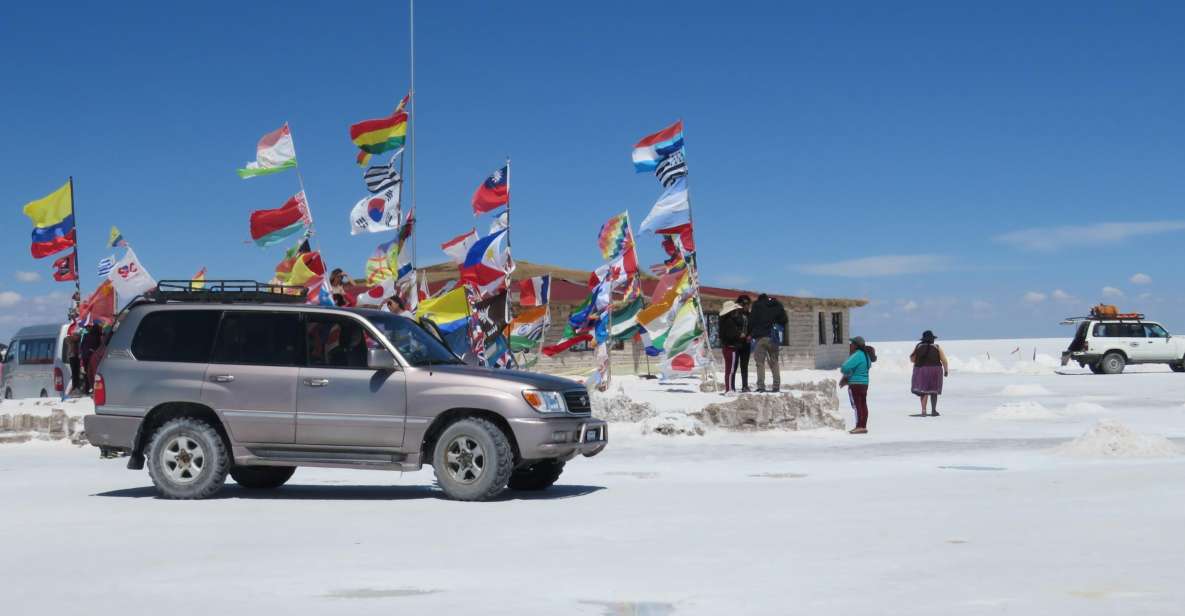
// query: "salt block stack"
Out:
[800,406]
[56,425]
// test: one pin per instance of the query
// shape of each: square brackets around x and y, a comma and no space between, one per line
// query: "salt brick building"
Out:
[817,335]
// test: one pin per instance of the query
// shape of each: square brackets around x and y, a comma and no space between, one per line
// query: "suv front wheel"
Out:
[1112,363]
[473,460]
[187,459]
[261,477]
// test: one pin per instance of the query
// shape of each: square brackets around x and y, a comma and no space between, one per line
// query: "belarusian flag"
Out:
[273,153]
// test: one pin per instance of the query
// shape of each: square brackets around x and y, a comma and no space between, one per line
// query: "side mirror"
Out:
[380,359]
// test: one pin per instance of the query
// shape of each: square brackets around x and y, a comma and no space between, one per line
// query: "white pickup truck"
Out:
[1107,345]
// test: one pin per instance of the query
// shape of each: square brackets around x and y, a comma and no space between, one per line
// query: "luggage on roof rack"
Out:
[226,291]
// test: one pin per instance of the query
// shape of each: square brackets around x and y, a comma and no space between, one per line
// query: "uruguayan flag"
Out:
[105,266]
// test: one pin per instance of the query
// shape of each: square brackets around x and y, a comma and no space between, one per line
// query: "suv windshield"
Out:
[416,345]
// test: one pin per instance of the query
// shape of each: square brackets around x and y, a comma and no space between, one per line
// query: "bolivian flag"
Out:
[381,134]
[53,222]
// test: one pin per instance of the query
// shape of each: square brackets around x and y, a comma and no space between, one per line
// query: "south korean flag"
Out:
[376,213]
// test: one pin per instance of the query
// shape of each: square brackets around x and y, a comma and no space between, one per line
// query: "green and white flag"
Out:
[273,154]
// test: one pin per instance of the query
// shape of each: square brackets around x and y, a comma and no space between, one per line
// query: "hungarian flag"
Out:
[534,291]
[66,268]
[494,192]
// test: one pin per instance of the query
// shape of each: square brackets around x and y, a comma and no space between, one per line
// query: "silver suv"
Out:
[201,389]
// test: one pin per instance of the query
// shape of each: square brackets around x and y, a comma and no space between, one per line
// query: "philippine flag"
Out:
[487,264]
[493,193]
[653,149]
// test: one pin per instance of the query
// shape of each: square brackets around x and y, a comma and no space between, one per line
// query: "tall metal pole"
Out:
[509,254]
[693,269]
[77,267]
[411,117]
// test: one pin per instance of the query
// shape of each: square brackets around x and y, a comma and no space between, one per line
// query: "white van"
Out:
[35,364]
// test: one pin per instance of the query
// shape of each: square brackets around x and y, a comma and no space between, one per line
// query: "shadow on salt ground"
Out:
[779,475]
[969,467]
[347,493]
[378,593]
[633,608]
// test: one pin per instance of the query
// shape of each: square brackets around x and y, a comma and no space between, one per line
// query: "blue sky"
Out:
[979,170]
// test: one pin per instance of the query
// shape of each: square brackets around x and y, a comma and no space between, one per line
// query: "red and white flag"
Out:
[534,291]
[458,247]
[378,294]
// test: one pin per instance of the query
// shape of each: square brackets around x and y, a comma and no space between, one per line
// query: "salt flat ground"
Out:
[970,513]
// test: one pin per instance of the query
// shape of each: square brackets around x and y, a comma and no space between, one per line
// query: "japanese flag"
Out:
[376,295]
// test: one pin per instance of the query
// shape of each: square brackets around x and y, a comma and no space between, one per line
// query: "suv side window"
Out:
[1132,330]
[176,335]
[258,338]
[1155,331]
[336,342]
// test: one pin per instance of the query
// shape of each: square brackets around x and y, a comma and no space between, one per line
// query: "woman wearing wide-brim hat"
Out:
[929,370]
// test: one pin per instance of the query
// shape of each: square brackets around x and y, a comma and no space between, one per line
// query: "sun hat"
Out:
[928,336]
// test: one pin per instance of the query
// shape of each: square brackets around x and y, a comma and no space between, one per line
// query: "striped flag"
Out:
[534,291]
[671,168]
[106,264]
[381,177]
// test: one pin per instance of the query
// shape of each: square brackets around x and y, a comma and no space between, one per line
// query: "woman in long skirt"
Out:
[929,369]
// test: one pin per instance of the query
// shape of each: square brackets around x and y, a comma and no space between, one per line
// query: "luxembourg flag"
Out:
[652,149]
[534,291]
[487,264]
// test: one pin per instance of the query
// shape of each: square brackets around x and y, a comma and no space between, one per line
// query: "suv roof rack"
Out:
[1126,316]
[226,292]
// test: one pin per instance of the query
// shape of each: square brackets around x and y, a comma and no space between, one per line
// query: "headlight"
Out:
[545,401]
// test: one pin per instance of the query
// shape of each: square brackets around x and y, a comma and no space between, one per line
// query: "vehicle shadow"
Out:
[358,493]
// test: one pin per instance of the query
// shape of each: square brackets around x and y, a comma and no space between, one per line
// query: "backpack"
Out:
[870,353]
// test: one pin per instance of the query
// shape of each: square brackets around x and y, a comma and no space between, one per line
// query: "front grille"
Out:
[578,402]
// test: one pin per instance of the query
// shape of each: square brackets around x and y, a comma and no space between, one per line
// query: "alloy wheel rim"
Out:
[464,459]
[183,459]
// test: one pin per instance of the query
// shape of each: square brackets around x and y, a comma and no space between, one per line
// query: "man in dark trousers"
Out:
[744,350]
[767,314]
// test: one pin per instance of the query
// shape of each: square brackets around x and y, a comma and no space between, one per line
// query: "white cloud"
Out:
[1034,297]
[1049,239]
[1059,295]
[27,276]
[1112,293]
[9,298]
[908,306]
[884,265]
[1141,279]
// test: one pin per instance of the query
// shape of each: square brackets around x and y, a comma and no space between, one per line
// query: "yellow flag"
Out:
[448,311]
[51,210]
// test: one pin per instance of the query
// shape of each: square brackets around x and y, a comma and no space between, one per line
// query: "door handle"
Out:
[316,382]
[222,378]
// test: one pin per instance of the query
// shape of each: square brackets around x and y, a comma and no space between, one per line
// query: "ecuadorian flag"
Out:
[53,222]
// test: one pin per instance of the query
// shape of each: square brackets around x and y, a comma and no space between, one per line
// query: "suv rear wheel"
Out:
[261,477]
[1179,366]
[1096,367]
[537,476]
[187,459]
[473,460]
[1112,363]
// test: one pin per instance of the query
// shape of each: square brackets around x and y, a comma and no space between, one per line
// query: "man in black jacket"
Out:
[767,314]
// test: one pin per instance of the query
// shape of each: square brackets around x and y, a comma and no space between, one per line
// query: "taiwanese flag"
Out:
[493,193]
[66,268]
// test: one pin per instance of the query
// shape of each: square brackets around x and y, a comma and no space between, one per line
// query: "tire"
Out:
[261,477]
[473,460]
[44,394]
[1112,363]
[173,472]
[1178,367]
[538,476]
[1096,368]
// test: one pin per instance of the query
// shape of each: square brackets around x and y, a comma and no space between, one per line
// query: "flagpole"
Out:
[77,273]
[509,254]
[411,114]
[693,268]
[300,182]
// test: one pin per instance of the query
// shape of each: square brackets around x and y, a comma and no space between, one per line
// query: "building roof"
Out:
[570,286]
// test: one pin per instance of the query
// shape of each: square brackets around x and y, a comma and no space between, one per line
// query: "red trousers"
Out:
[858,394]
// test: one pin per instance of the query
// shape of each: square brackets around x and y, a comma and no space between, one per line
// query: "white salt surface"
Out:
[922,516]
[1021,411]
[1024,390]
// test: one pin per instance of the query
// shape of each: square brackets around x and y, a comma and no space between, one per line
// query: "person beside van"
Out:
[855,377]
[929,369]
[74,357]
[766,316]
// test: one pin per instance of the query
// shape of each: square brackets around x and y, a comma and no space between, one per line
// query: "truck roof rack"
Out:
[1126,316]
[226,292]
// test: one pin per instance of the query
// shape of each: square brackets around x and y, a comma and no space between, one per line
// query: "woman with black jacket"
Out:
[734,340]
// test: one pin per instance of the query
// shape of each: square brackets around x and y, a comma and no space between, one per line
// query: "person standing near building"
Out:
[73,350]
[732,339]
[746,349]
[855,377]
[929,369]
[767,314]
